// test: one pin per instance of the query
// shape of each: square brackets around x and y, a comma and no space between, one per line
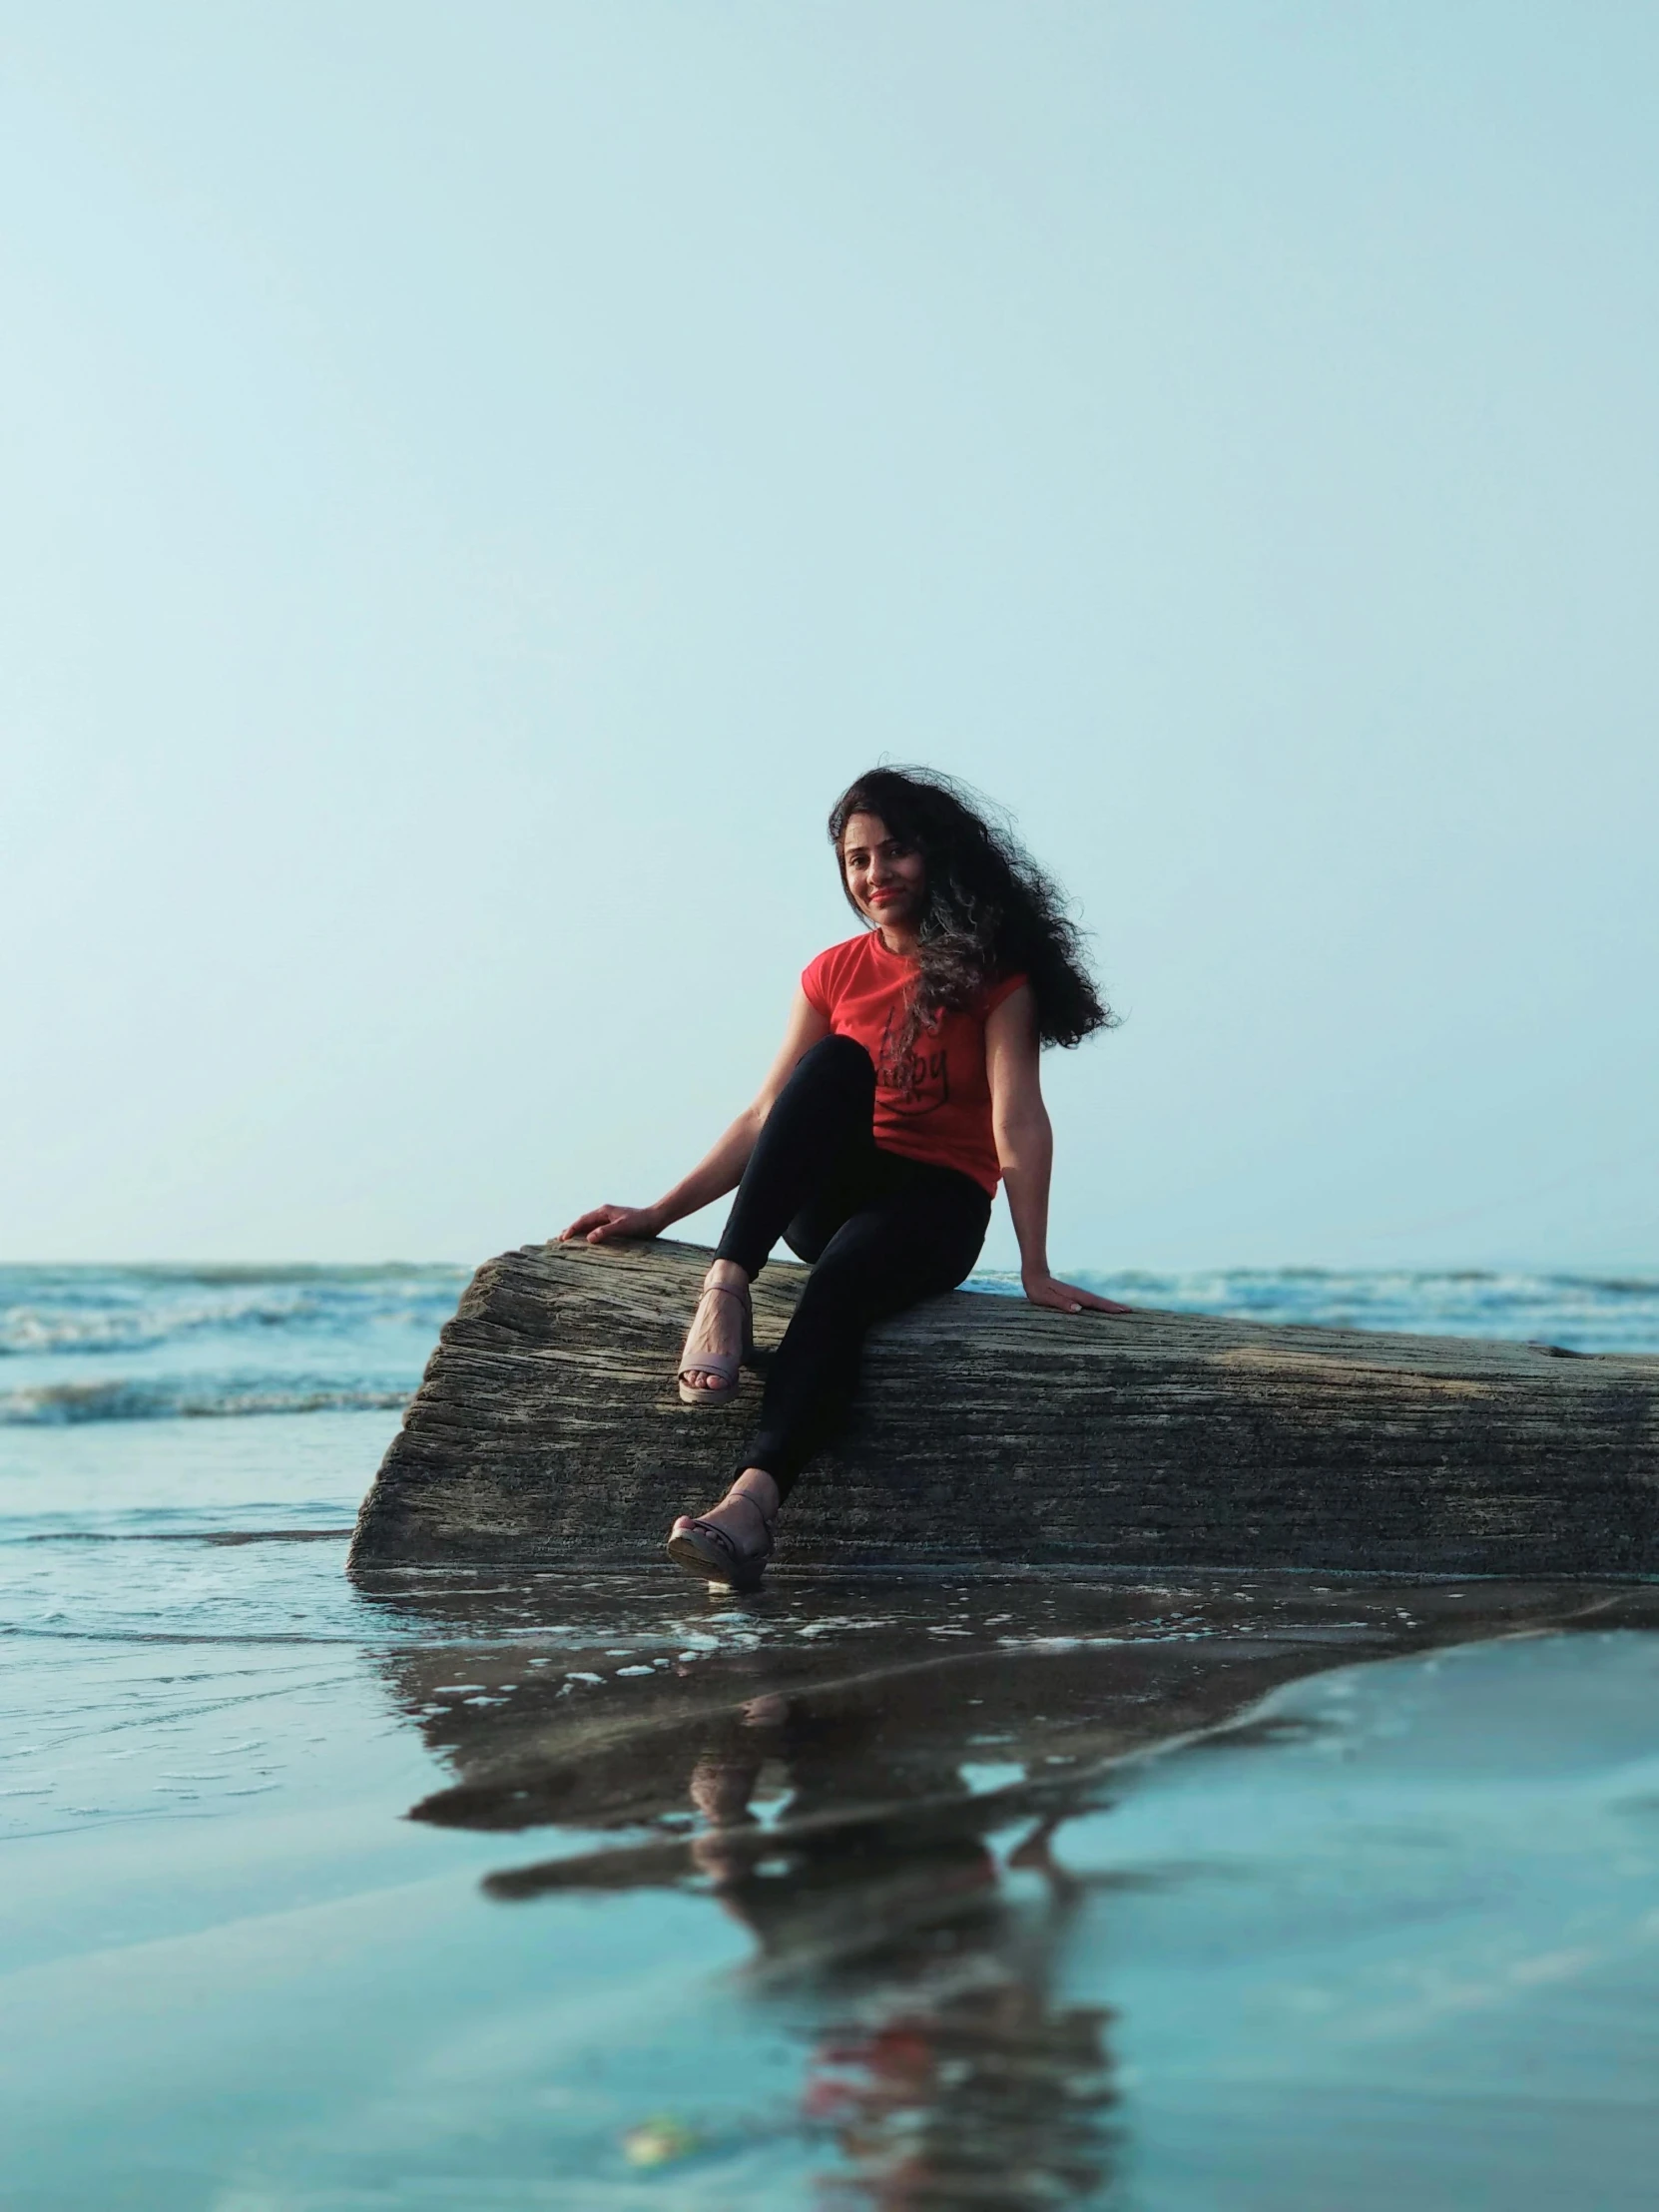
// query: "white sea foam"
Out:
[55,1404]
[101,1309]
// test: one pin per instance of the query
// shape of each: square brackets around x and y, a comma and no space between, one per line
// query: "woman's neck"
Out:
[902,942]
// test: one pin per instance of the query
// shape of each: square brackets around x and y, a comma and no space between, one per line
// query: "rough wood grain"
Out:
[548,1430]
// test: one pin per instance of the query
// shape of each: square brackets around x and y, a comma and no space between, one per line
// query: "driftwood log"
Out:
[548,1430]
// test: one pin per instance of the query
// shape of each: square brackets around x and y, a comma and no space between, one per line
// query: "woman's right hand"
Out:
[603,1223]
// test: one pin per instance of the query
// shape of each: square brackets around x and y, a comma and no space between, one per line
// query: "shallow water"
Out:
[483,1892]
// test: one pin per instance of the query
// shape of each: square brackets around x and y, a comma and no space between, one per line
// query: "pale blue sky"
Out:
[477,480]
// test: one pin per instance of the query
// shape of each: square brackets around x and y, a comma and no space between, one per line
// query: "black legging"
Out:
[880,1229]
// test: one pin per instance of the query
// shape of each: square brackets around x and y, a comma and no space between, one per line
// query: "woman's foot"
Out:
[720,1330]
[731,1542]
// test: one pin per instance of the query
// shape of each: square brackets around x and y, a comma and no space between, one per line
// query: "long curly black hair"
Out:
[990,909]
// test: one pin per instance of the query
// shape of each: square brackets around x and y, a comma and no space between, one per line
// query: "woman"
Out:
[905,1090]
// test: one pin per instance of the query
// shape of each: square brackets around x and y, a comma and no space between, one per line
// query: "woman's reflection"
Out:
[949,2075]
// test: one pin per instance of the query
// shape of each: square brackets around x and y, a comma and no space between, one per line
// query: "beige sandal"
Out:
[723,1364]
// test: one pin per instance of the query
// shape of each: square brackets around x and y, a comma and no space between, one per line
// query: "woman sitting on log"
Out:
[906,1087]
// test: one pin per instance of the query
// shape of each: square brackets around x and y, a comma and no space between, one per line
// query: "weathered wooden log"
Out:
[548,1428]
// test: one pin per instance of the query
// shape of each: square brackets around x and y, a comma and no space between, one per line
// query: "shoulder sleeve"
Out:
[816,983]
[1004,987]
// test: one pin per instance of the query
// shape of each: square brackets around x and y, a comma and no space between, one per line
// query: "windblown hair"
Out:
[990,909]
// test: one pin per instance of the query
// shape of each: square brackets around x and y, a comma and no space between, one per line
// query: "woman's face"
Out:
[887,877]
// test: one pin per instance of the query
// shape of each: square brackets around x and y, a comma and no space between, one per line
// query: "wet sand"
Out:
[906,1890]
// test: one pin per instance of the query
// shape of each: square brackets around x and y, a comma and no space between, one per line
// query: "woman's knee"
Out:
[839,1061]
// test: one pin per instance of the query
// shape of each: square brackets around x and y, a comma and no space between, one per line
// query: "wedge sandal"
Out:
[704,1549]
[724,1363]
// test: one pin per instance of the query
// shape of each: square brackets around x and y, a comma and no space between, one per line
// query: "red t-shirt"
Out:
[934,1104]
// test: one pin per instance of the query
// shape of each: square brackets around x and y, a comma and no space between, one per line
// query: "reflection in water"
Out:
[872,1782]
[991,2095]
[962,2079]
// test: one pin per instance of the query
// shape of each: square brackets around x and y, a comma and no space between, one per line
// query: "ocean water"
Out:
[603,1892]
[82,1343]
[160,1344]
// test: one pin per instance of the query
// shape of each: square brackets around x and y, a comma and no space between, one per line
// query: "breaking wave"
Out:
[102,1310]
[89,1344]
[58,1404]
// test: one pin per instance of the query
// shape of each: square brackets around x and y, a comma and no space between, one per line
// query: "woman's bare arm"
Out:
[721,1168]
[1026,1149]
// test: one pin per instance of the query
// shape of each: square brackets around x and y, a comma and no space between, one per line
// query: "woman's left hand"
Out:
[1070,1298]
